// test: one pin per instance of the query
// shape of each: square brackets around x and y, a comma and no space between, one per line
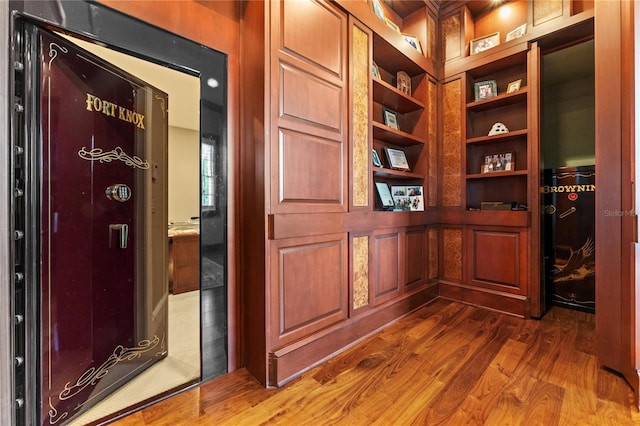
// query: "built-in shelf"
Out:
[494,175]
[515,134]
[395,174]
[386,94]
[393,136]
[501,100]
[519,218]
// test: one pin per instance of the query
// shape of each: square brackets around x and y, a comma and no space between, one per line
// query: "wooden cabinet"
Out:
[405,102]
[184,263]
[497,138]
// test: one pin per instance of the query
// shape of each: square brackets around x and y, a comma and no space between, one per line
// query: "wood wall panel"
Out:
[308,137]
[451,41]
[452,251]
[386,261]
[308,285]
[451,162]
[306,178]
[310,99]
[415,251]
[432,144]
[546,10]
[360,271]
[360,100]
[319,40]
[433,253]
[497,259]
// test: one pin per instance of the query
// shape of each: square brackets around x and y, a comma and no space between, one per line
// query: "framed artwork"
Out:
[375,71]
[392,25]
[485,89]
[384,195]
[485,43]
[397,159]
[514,86]
[378,10]
[390,118]
[408,197]
[413,41]
[376,158]
[403,82]
[517,33]
[503,162]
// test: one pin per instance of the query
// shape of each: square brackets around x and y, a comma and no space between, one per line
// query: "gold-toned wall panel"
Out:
[319,40]
[310,169]
[309,98]
[433,253]
[431,37]
[432,144]
[452,253]
[451,37]
[360,271]
[360,117]
[546,10]
[452,144]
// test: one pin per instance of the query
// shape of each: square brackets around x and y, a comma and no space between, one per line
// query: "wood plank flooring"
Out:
[445,364]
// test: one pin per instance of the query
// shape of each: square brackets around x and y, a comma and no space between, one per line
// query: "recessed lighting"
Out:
[213,83]
[505,11]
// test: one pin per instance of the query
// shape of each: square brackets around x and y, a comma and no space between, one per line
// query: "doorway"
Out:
[568,178]
[206,69]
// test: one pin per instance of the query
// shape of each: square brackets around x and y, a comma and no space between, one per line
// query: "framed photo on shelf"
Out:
[384,195]
[413,41]
[390,118]
[485,43]
[403,82]
[375,71]
[397,159]
[503,162]
[408,197]
[485,89]
[376,158]
[378,10]
[517,33]
[514,86]
[392,25]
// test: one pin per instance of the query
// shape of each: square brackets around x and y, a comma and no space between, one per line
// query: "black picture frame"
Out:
[390,118]
[384,196]
[397,159]
[485,89]
[499,162]
[376,158]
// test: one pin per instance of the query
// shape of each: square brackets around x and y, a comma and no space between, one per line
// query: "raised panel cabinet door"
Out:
[308,114]
[497,259]
[308,286]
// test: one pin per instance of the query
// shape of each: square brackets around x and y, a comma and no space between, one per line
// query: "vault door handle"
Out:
[122,234]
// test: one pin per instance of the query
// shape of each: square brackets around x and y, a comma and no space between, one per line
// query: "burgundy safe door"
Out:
[103,291]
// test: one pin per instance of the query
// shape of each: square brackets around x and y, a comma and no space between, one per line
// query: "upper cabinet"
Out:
[481,32]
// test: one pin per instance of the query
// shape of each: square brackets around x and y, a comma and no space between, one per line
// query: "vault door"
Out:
[103,290]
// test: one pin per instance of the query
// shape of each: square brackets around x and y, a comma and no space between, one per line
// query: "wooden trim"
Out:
[608,90]
[535,264]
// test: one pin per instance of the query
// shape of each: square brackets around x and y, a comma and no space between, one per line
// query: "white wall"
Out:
[184,174]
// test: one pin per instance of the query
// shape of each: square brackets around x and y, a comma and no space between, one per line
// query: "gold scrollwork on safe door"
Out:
[93,375]
[98,154]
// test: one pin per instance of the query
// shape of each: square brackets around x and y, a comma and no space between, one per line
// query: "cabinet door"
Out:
[308,146]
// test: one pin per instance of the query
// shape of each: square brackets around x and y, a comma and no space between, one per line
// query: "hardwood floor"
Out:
[445,364]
